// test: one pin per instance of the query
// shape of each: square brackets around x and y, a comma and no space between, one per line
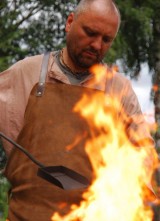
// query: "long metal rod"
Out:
[22,149]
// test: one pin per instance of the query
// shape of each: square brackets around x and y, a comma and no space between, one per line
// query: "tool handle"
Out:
[22,149]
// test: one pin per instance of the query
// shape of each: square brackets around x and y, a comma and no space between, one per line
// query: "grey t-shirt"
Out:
[74,78]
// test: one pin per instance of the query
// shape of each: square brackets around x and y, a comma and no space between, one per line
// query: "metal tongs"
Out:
[60,176]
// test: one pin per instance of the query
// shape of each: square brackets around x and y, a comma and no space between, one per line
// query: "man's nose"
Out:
[97,43]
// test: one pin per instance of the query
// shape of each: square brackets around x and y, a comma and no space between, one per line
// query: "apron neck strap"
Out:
[43,74]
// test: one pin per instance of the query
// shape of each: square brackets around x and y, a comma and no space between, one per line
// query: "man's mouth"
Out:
[90,54]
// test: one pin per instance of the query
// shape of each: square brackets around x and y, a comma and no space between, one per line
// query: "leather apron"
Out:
[50,126]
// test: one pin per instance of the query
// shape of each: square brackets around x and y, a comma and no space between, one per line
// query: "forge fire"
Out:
[121,188]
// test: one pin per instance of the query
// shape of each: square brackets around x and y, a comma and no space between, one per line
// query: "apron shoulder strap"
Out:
[43,74]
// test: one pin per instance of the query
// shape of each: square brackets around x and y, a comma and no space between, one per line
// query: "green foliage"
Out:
[136,36]
[3,158]
[4,187]
[31,27]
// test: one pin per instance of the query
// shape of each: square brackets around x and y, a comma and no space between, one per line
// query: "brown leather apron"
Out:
[50,126]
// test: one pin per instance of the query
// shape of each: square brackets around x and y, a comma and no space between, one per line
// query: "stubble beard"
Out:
[82,61]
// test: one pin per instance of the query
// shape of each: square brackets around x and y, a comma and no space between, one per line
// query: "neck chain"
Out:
[64,64]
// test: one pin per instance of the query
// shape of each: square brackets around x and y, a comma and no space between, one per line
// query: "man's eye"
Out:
[107,39]
[89,32]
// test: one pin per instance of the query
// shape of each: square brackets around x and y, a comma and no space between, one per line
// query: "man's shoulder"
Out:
[120,81]
[33,58]
[27,68]
[120,77]
[30,65]
[28,62]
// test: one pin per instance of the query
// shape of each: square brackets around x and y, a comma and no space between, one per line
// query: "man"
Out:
[49,124]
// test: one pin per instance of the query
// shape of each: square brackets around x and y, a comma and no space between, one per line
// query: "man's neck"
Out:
[66,60]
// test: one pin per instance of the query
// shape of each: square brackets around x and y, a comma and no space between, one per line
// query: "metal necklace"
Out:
[69,69]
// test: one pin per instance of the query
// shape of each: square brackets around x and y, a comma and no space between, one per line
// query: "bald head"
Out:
[105,6]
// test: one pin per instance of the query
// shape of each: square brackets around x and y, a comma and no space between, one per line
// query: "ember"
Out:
[119,190]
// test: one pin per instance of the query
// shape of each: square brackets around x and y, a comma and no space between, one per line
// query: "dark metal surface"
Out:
[63,177]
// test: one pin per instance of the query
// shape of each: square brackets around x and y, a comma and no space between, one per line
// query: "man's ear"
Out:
[69,22]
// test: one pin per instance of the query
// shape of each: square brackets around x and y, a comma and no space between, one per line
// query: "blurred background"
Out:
[34,26]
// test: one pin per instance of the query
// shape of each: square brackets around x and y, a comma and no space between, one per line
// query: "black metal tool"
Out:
[60,176]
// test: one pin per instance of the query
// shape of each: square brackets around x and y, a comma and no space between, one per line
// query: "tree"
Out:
[4,186]
[30,27]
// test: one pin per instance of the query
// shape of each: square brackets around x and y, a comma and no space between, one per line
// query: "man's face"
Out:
[89,36]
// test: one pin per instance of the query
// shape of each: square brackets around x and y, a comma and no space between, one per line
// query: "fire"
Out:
[119,191]
[155,87]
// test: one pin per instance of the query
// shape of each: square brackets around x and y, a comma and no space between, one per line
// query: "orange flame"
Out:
[155,87]
[119,191]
